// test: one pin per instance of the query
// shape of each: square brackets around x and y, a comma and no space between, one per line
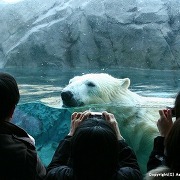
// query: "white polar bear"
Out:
[136,115]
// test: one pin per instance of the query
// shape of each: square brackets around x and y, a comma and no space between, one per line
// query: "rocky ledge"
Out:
[67,34]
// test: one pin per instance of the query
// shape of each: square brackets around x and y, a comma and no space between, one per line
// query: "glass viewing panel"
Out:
[44,44]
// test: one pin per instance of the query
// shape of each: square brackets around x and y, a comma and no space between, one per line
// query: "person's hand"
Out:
[165,122]
[76,119]
[111,119]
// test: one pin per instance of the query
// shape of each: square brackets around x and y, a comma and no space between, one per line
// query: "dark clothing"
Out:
[157,157]
[60,167]
[18,156]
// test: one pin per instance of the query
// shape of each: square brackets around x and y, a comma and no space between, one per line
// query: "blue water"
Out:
[49,125]
[44,85]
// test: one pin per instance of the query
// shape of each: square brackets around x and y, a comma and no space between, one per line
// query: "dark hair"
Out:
[9,95]
[94,150]
[172,147]
[177,105]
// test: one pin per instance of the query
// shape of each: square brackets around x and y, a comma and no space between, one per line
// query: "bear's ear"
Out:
[125,83]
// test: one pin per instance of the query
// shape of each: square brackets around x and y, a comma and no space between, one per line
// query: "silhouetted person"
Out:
[93,150]
[165,157]
[18,156]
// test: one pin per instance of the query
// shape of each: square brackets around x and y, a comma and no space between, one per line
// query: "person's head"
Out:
[172,147]
[94,150]
[9,95]
[177,106]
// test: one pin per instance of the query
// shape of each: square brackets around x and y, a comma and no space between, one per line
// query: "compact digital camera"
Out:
[173,112]
[97,115]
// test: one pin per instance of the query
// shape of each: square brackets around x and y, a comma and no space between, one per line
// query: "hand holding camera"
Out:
[165,122]
[77,118]
[112,121]
[173,113]
[97,115]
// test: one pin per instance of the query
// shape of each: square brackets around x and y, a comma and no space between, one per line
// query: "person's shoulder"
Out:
[10,128]
[122,143]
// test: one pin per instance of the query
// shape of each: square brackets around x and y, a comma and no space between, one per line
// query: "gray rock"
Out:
[91,33]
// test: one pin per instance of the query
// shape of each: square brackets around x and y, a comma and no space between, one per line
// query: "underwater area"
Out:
[40,110]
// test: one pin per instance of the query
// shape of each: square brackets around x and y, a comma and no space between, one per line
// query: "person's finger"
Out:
[78,115]
[161,113]
[107,117]
[110,118]
[111,115]
[81,115]
[169,115]
[73,115]
[104,112]
[85,115]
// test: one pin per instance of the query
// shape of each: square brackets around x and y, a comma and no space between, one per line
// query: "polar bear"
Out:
[136,115]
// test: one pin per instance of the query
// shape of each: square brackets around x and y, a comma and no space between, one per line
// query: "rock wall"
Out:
[68,34]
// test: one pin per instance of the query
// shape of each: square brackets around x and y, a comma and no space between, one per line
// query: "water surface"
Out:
[45,85]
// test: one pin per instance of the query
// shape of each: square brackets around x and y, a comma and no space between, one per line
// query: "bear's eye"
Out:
[90,84]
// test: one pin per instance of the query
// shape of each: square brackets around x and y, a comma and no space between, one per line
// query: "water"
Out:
[44,85]
[49,125]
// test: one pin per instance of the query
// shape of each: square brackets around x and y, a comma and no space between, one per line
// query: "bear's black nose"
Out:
[66,95]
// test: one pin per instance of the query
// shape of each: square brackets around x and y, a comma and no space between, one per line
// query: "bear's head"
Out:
[94,89]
